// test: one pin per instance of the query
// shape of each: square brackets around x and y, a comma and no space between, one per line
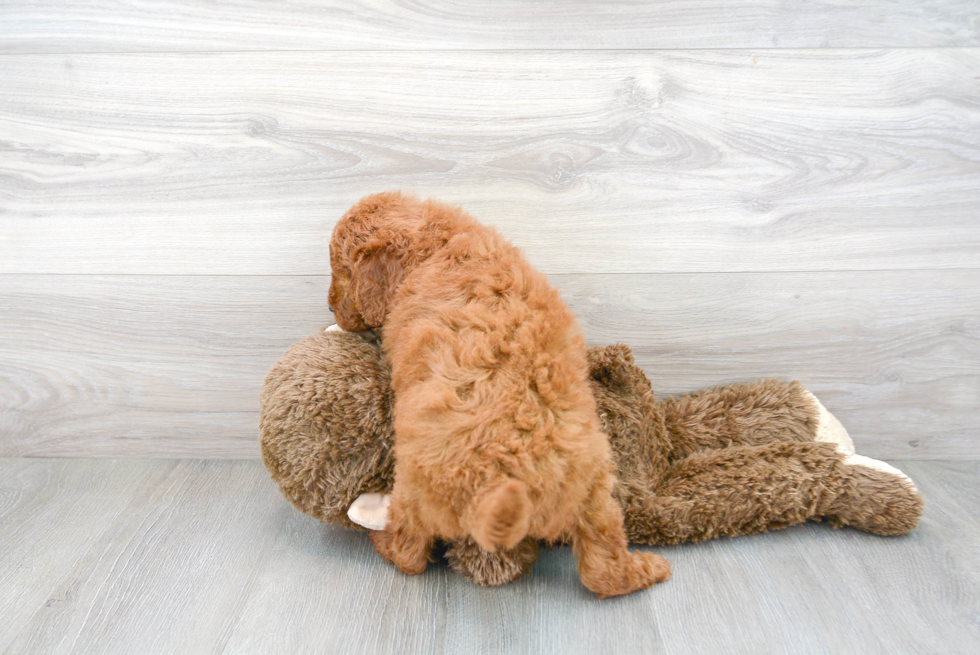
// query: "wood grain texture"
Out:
[174,25]
[171,366]
[594,162]
[54,515]
[207,557]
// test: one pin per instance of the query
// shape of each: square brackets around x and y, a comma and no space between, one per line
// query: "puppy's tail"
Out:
[500,517]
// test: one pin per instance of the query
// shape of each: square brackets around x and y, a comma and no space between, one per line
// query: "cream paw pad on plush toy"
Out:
[830,430]
[732,460]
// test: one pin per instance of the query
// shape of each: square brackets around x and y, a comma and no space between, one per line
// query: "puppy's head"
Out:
[367,258]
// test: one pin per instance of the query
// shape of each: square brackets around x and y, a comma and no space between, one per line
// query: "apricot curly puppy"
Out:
[496,433]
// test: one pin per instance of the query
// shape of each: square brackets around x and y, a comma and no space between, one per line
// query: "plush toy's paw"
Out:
[335,328]
[628,572]
[854,459]
[830,430]
[878,498]
[490,569]
[370,511]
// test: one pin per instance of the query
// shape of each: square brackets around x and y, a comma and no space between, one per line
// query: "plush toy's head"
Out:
[325,428]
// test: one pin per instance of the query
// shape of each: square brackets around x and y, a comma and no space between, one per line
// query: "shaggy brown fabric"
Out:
[749,414]
[728,461]
[325,425]
[466,557]
[732,460]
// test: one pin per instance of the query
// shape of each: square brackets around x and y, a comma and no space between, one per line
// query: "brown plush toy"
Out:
[733,460]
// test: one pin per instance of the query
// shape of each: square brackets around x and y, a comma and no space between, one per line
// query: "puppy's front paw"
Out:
[409,555]
[626,574]
[382,543]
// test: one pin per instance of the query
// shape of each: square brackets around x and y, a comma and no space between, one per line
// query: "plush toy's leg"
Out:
[749,489]
[605,565]
[736,490]
[876,497]
[490,569]
[405,548]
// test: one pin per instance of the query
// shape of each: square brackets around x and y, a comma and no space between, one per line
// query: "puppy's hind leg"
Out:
[605,564]
[407,549]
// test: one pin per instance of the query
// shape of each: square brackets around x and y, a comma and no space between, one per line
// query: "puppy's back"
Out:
[490,371]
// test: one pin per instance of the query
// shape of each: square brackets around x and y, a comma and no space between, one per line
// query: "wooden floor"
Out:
[191,556]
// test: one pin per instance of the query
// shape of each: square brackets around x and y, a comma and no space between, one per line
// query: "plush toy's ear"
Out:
[377,272]
[613,368]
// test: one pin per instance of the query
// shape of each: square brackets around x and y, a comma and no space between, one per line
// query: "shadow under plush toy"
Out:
[732,460]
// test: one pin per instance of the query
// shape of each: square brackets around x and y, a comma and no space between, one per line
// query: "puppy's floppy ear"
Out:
[377,272]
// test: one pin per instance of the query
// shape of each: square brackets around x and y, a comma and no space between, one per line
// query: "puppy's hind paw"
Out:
[626,574]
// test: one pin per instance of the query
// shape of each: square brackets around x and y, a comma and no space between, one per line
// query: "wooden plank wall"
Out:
[737,190]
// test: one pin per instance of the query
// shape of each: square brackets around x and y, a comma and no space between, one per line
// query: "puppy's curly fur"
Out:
[496,433]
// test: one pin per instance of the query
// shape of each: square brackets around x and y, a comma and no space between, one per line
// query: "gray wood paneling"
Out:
[174,25]
[207,557]
[594,162]
[168,366]
[172,365]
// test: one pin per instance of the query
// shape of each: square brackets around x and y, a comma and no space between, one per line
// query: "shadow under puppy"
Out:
[496,432]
